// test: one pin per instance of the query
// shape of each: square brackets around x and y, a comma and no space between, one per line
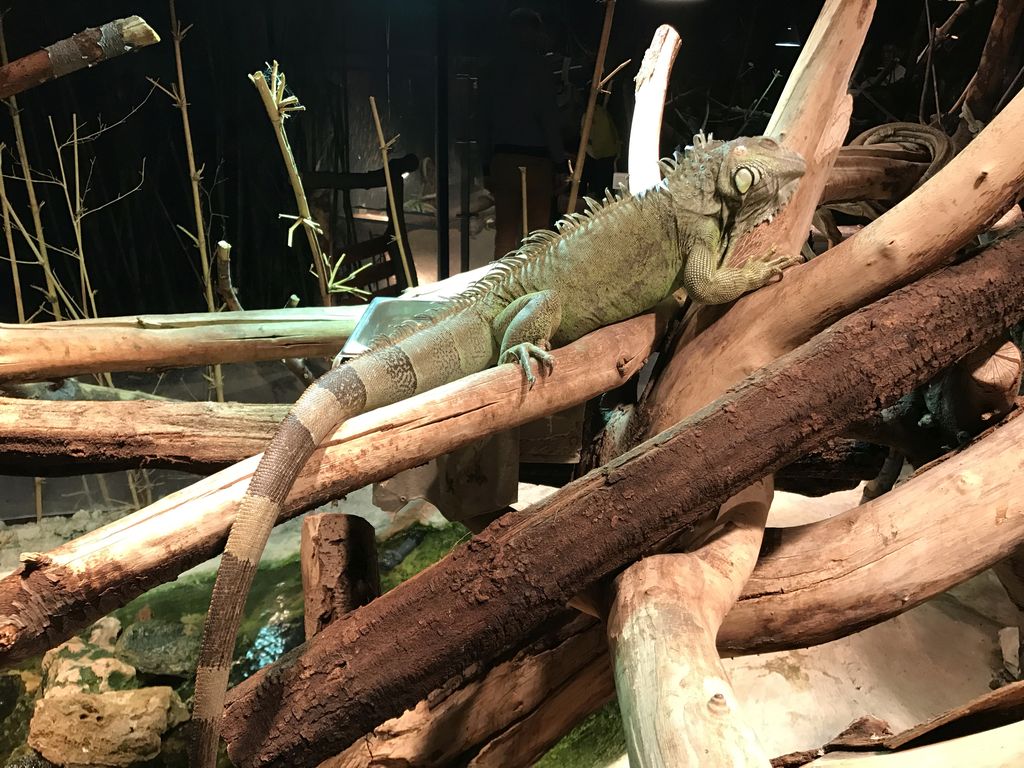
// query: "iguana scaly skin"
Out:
[617,260]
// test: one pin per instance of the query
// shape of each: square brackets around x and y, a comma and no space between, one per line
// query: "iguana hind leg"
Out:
[525,327]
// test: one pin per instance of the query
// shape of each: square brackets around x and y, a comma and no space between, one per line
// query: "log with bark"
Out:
[41,351]
[383,657]
[849,572]
[86,49]
[338,559]
[79,582]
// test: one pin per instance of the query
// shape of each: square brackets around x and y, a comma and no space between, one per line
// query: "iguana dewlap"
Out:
[617,260]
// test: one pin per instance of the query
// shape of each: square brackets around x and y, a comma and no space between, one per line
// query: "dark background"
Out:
[335,55]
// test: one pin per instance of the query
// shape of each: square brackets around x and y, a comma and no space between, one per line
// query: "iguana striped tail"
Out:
[443,352]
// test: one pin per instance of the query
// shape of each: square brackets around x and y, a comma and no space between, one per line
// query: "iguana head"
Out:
[756,179]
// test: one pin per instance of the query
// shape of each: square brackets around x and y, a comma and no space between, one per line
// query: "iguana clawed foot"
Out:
[769,270]
[522,353]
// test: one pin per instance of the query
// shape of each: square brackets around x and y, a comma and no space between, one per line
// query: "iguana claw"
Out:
[522,353]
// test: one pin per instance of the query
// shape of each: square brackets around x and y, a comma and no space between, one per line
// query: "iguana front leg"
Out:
[525,328]
[708,280]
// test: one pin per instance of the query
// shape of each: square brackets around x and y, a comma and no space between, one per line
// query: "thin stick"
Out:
[588,118]
[39,499]
[224,285]
[607,78]
[75,213]
[522,195]
[195,176]
[19,140]
[391,193]
[278,107]
[10,247]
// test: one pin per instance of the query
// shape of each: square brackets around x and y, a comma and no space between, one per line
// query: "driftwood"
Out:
[85,49]
[85,579]
[338,558]
[674,694]
[521,706]
[677,704]
[40,351]
[573,667]
[65,438]
[378,659]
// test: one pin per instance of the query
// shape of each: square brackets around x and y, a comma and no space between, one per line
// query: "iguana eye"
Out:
[743,179]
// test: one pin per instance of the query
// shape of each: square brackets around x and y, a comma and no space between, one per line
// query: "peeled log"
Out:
[383,657]
[73,437]
[77,583]
[43,351]
[678,706]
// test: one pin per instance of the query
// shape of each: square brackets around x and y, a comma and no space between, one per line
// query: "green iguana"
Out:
[617,260]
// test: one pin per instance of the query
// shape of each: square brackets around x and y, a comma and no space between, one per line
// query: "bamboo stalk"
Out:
[522,197]
[33,202]
[195,176]
[9,236]
[278,107]
[395,220]
[588,118]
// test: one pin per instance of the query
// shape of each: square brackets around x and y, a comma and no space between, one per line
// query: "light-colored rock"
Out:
[104,632]
[78,665]
[116,728]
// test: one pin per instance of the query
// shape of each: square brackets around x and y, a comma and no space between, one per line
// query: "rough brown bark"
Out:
[88,577]
[85,49]
[383,657]
[338,558]
[67,438]
[41,351]
[852,571]
[961,402]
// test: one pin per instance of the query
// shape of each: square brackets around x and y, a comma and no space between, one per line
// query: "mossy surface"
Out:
[433,544]
[594,743]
